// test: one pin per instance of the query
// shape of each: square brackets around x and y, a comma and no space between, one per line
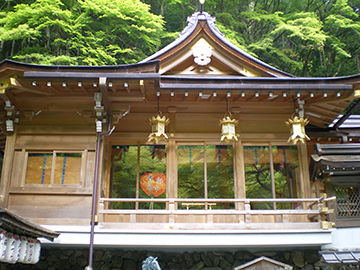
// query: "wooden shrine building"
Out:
[79,140]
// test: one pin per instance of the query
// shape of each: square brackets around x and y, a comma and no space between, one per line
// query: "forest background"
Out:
[313,38]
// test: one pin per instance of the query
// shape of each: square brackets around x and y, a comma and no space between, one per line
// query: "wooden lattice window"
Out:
[348,201]
[57,168]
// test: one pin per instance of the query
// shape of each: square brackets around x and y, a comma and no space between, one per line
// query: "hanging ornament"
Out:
[153,183]
[158,123]
[297,129]
[228,129]
[228,125]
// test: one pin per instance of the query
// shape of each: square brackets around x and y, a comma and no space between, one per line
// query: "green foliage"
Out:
[307,38]
[84,32]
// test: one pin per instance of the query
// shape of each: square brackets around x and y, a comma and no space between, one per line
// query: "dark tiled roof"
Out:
[18,225]
[338,163]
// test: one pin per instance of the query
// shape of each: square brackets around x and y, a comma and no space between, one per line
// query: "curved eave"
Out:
[193,22]
[293,80]
[148,67]
[91,75]
[253,83]
[256,87]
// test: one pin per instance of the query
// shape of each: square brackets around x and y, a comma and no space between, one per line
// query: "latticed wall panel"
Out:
[348,201]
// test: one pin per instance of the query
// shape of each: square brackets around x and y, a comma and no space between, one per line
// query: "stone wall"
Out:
[111,259]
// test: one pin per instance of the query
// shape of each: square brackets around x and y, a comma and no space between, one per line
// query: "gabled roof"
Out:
[274,264]
[201,28]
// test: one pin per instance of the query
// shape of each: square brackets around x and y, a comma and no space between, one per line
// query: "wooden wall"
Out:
[52,203]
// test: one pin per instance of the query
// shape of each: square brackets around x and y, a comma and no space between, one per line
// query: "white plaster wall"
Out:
[344,239]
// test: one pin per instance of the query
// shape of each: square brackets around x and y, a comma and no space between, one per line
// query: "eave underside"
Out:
[40,96]
[323,103]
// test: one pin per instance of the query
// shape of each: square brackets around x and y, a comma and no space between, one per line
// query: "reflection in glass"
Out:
[258,174]
[190,171]
[220,174]
[216,183]
[126,173]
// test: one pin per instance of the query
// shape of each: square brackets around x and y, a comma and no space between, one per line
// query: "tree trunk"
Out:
[12,47]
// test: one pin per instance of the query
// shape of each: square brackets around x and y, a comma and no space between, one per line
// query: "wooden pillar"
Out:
[172,117]
[7,169]
[171,170]
[239,173]
[105,183]
[304,171]
[239,166]
[100,177]
[171,166]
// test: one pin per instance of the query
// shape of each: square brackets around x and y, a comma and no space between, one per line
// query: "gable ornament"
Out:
[202,53]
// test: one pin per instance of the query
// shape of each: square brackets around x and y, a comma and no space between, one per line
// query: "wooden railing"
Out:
[315,209]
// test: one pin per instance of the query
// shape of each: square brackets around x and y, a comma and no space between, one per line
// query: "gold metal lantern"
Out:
[158,123]
[228,132]
[297,129]
[228,125]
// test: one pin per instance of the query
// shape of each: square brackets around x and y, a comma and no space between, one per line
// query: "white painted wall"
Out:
[344,239]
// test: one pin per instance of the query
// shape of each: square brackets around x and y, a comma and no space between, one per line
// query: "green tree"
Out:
[84,32]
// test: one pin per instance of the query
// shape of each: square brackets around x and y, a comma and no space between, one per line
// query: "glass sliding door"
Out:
[286,174]
[205,171]
[138,172]
[271,174]
[258,175]
[191,171]
[220,174]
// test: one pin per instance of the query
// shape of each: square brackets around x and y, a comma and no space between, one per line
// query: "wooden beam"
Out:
[142,87]
[51,86]
[34,89]
[5,93]
[104,92]
[80,85]
[65,85]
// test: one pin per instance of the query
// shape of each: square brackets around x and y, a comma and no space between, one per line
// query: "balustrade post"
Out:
[209,217]
[101,209]
[323,212]
[172,209]
[247,209]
